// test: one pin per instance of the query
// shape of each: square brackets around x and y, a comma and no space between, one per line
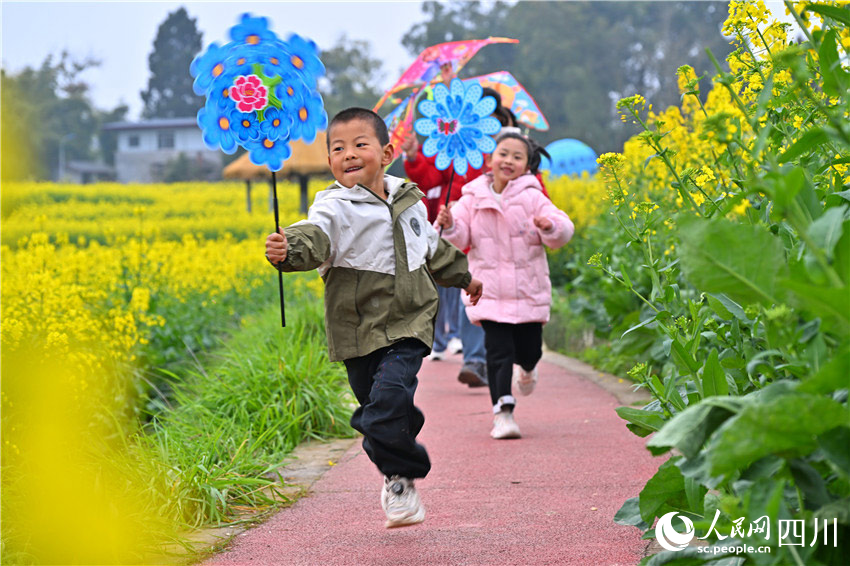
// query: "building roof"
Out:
[306,159]
[191,122]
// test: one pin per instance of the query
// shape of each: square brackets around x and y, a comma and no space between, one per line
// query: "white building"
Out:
[145,147]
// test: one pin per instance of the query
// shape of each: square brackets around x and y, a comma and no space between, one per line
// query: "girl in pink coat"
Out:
[505,220]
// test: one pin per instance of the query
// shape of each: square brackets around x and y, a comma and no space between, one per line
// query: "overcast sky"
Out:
[121,34]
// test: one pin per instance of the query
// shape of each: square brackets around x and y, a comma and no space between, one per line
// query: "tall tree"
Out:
[108,140]
[169,93]
[352,76]
[578,58]
[46,112]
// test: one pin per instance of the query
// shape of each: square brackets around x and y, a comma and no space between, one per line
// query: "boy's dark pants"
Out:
[384,382]
[506,345]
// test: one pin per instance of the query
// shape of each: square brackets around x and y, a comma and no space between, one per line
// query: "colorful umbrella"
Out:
[400,123]
[424,71]
[515,97]
[426,67]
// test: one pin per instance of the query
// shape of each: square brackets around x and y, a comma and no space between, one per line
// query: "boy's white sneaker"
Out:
[436,356]
[524,381]
[504,426]
[401,502]
[455,345]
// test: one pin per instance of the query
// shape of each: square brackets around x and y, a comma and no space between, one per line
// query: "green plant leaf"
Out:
[832,376]
[834,76]
[838,14]
[726,308]
[661,315]
[629,514]
[626,277]
[719,256]
[842,254]
[692,556]
[845,195]
[718,307]
[827,230]
[833,443]
[832,304]
[713,377]
[696,469]
[695,493]
[810,140]
[666,487]
[645,421]
[683,358]
[839,509]
[786,424]
[810,483]
[688,430]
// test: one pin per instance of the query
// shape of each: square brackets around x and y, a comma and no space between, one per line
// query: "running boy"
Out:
[369,237]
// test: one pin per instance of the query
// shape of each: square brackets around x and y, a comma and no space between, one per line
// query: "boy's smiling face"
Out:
[355,155]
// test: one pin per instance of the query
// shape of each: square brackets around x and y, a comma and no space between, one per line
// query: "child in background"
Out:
[505,220]
[369,237]
[435,183]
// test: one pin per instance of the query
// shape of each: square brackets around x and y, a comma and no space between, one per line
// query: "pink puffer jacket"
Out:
[506,249]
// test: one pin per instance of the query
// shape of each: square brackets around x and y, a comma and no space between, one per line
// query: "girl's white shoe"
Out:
[524,381]
[504,425]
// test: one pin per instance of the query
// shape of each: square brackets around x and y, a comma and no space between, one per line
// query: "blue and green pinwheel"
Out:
[260,92]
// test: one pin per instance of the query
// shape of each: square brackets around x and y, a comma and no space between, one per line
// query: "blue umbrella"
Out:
[569,157]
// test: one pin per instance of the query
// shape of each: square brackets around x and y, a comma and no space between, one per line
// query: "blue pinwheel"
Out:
[457,126]
[260,94]
[259,78]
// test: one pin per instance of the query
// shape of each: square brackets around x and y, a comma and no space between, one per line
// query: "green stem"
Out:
[800,23]
[735,97]
[834,279]
[662,154]
[714,155]
[661,398]
[626,228]
[763,41]
[755,65]
[649,248]
[632,289]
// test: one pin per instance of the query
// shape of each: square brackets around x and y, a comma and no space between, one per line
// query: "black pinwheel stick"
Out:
[279,273]
[449,193]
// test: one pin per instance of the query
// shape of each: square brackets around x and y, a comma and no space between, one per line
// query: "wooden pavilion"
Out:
[306,160]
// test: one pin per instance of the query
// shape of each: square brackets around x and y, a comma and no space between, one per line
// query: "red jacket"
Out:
[433,182]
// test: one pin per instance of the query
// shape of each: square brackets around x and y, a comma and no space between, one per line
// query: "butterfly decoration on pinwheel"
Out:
[457,126]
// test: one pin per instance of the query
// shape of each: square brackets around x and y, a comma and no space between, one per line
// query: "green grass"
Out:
[238,415]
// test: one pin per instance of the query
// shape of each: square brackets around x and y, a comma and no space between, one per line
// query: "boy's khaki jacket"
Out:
[379,260]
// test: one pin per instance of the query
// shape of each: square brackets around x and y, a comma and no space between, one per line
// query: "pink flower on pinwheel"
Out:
[249,93]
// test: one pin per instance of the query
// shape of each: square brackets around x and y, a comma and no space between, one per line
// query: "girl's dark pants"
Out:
[506,345]
[384,383]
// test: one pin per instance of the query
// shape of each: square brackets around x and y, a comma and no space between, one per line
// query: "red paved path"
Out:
[548,498]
